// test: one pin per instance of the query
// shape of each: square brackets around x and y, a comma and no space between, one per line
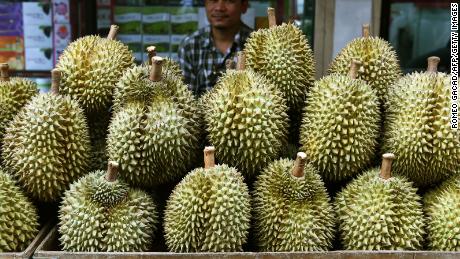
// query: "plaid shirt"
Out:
[202,63]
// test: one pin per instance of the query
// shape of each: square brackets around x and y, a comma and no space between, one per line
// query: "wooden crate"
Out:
[49,248]
[28,252]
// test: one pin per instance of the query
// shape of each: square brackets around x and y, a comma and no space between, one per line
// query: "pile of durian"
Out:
[268,160]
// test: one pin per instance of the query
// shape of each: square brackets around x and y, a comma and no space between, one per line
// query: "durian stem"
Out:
[433,64]
[354,67]
[299,165]
[229,64]
[271,17]
[241,64]
[113,32]
[209,160]
[155,72]
[55,81]
[4,74]
[366,30]
[385,171]
[112,171]
[152,52]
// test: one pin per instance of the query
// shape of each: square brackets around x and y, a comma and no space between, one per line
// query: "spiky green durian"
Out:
[136,86]
[91,67]
[208,211]
[101,213]
[380,66]
[246,120]
[151,143]
[14,94]
[155,135]
[46,146]
[380,212]
[442,207]
[418,128]
[282,54]
[340,126]
[18,217]
[292,210]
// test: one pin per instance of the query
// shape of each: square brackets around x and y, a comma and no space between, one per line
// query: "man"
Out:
[203,54]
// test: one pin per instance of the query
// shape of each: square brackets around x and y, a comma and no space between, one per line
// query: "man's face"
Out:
[225,13]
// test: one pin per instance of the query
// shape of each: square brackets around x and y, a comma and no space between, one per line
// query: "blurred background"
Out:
[34,33]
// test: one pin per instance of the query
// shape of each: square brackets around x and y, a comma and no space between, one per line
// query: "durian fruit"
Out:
[418,127]
[169,67]
[442,207]
[292,210]
[378,211]
[91,66]
[282,54]
[341,125]
[18,217]
[208,211]
[155,132]
[101,213]
[14,94]
[380,66]
[46,146]
[246,119]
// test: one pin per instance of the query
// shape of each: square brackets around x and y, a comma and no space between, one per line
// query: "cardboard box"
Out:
[11,43]
[39,59]
[38,36]
[184,20]
[62,35]
[61,11]
[11,19]
[156,20]
[103,18]
[14,59]
[38,13]
[129,19]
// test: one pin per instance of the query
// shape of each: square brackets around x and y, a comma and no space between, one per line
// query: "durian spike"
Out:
[299,165]
[113,32]
[55,81]
[209,160]
[271,17]
[366,30]
[4,74]
[385,171]
[112,171]
[354,68]
[152,52]
[433,62]
[241,63]
[229,64]
[155,71]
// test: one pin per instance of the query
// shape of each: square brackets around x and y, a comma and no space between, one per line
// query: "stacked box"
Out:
[62,28]
[38,35]
[184,21]
[129,19]
[11,35]
[156,30]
